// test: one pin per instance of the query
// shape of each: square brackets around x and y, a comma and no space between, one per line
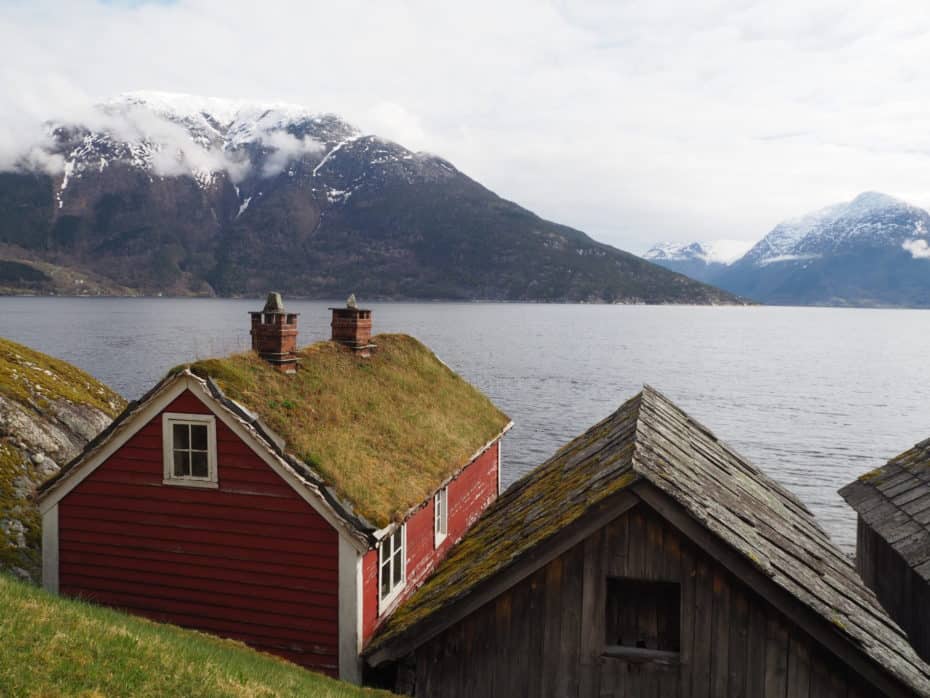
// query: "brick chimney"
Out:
[274,334]
[352,327]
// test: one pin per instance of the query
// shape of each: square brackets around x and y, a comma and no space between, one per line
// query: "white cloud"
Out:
[285,147]
[633,121]
[919,249]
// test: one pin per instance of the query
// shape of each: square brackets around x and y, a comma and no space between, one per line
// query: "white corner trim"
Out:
[168,419]
[488,445]
[50,549]
[500,446]
[350,612]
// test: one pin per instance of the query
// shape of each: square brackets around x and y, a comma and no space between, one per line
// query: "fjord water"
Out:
[814,396]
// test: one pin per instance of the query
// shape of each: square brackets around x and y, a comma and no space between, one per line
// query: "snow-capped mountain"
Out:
[871,219]
[218,142]
[160,192]
[699,260]
[872,250]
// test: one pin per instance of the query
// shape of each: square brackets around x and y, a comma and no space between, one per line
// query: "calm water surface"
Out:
[814,396]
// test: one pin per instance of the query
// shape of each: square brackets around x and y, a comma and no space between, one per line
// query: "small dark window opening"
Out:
[643,615]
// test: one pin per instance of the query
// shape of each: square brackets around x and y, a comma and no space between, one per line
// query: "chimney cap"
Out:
[274,303]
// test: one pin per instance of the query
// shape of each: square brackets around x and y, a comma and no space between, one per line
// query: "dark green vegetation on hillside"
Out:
[384,432]
[56,647]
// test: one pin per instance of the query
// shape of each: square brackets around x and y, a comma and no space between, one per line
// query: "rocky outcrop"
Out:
[48,411]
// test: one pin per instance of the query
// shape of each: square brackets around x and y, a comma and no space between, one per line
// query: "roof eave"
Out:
[380,533]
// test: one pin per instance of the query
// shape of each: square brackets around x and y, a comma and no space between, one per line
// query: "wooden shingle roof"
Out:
[894,501]
[655,451]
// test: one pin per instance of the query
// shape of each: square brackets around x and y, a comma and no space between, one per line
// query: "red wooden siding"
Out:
[250,560]
[469,495]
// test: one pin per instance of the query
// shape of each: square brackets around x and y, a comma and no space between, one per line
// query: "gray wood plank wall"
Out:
[903,593]
[546,636]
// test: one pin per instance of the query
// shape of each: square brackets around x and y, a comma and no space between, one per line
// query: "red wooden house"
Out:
[286,498]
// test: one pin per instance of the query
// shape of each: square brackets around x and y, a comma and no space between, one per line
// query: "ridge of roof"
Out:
[894,501]
[649,439]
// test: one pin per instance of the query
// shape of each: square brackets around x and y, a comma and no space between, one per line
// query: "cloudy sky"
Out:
[633,121]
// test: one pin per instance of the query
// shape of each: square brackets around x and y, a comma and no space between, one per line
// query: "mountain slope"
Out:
[871,251]
[702,261]
[187,195]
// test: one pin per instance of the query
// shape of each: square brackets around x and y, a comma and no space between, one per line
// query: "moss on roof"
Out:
[587,470]
[31,377]
[384,431]
[650,440]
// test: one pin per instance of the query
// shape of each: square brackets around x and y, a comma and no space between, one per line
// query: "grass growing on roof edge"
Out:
[383,431]
[51,646]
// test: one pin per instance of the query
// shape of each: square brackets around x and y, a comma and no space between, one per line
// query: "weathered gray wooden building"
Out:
[647,559]
[893,539]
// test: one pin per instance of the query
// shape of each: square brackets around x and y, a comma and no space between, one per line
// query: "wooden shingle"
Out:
[894,501]
[652,451]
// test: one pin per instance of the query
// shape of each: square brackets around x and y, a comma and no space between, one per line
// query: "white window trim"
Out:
[385,602]
[440,515]
[169,478]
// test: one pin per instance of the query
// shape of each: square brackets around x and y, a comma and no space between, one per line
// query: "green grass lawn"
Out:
[58,647]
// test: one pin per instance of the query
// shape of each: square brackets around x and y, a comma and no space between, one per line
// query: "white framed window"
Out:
[189,447]
[392,566]
[440,516]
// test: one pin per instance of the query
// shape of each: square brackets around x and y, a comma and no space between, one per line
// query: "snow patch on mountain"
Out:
[168,135]
[711,252]
[243,206]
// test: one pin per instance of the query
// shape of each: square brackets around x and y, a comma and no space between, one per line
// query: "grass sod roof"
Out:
[28,376]
[894,501]
[650,440]
[384,432]
[61,647]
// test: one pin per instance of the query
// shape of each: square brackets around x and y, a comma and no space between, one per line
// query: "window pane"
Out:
[199,437]
[182,463]
[181,436]
[397,539]
[385,580]
[199,464]
[398,567]
[444,515]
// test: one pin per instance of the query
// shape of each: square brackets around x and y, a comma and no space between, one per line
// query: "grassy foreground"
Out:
[58,647]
